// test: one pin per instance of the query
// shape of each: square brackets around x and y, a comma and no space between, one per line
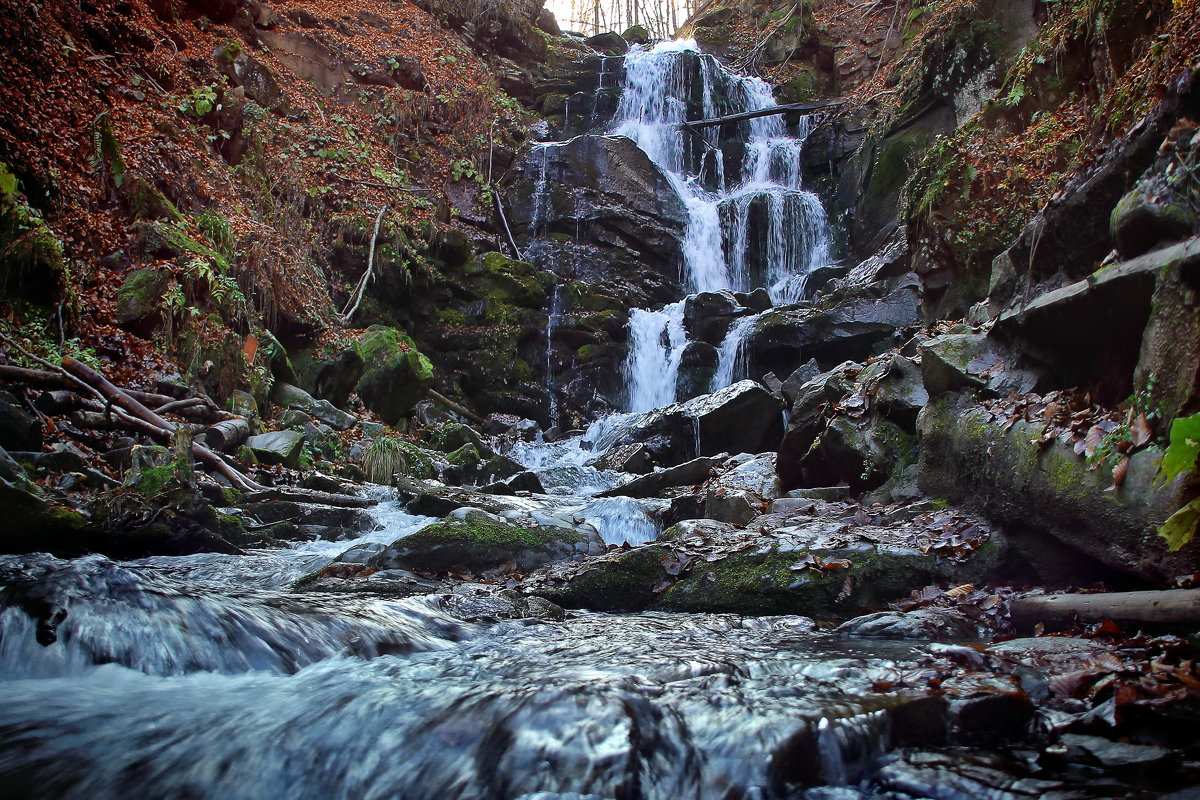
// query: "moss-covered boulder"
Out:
[1140,222]
[1072,519]
[277,447]
[329,373]
[395,374]
[501,279]
[476,541]
[140,300]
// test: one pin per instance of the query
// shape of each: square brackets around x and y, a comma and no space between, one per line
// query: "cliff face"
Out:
[180,179]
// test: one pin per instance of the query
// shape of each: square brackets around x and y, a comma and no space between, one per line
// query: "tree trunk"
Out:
[1173,608]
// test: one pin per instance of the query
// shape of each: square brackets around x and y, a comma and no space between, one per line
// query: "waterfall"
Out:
[761,229]
[656,343]
[556,309]
[731,365]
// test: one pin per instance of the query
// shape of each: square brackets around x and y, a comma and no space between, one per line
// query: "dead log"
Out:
[59,401]
[227,434]
[39,379]
[1172,608]
[455,407]
[135,409]
[762,112]
[307,496]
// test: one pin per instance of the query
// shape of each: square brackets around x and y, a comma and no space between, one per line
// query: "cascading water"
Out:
[759,229]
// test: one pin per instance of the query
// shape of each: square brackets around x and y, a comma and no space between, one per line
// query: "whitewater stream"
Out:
[208,677]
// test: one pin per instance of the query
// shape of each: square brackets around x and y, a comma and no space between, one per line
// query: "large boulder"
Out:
[395,374]
[476,541]
[1006,469]
[852,329]
[295,398]
[831,564]
[621,221]
[329,375]
[277,447]
[744,417]
[743,490]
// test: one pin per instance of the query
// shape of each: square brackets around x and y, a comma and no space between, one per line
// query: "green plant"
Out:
[200,102]
[384,458]
[1180,459]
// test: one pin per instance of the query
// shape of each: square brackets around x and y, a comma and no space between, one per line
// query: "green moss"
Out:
[466,456]
[626,584]
[479,532]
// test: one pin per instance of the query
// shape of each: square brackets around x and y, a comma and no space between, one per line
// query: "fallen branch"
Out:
[1178,608]
[119,398]
[500,211]
[455,407]
[227,434]
[762,112]
[307,496]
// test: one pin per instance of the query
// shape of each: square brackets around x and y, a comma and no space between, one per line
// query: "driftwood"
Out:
[455,407]
[227,434]
[1172,608]
[762,112]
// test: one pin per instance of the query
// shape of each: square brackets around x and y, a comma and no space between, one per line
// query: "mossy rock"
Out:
[505,280]
[32,266]
[395,374]
[479,541]
[626,584]
[139,300]
[453,435]
[466,457]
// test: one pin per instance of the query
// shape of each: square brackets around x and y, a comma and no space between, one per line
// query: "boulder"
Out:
[499,278]
[923,624]
[1140,223]
[293,397]
[140,300]
[610,43]
[744,417]
[632,458]
[972,361]
[277,447]
[19,430]
[1003,469]
[395,374]
[741,492]
[653,484]
[329,376]
[853,329]
[476,541]
[631,220]
[708,315]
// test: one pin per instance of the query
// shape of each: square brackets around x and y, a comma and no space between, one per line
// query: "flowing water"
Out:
[754,227]
[208,677]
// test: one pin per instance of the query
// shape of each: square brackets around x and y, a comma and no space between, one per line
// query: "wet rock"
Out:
[395,374]
[655,483]
[901,393]
[744,417]
[631,458]
[332,521]
[477,541]
[1123,756]
[708,315]
[278,447]
[451,436]
[1001,469]
[521,482]
[476,602]
[992,718]
[923,624]
[633,220]
[850,330]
